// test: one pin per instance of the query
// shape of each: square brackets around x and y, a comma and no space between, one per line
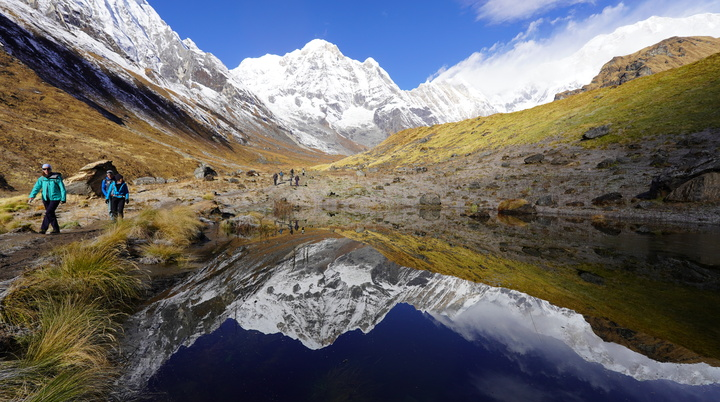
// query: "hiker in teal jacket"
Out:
[118,195]
[105,187]
[53,194]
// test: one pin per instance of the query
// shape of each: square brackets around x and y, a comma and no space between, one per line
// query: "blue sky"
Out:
[412,40]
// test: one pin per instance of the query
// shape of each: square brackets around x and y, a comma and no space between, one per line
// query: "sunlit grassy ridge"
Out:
[649,306]
[683,100]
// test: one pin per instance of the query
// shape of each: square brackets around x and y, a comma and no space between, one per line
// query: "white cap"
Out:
[46,166]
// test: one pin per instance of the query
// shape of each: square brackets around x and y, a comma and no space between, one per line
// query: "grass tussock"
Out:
[178,226]
[164,253]
[14,204]
[66,357]
[244,226]
[95,273]
[8,208]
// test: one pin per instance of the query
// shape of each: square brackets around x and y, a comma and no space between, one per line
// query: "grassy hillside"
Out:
[41,123]
[683,100]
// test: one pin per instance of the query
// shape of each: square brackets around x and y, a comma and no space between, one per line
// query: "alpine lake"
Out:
[432,305]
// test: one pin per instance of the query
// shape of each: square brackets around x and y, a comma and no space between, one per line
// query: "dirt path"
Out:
[20,251]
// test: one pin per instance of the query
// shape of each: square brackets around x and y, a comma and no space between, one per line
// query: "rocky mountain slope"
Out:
[88,81]
[668,54]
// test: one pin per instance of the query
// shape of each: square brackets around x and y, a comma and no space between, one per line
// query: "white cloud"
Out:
[516,10]
[576,50]
[532,29]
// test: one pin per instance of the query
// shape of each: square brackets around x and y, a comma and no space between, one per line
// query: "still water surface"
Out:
[324,317]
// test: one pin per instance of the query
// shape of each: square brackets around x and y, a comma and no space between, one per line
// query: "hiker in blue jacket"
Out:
[53,194]
[105,187]
[118,195]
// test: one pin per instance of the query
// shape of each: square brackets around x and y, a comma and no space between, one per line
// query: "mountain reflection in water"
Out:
[323,317]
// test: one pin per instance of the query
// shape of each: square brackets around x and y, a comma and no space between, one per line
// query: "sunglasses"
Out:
[46,169]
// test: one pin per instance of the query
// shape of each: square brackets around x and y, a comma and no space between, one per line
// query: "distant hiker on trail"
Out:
[53,194]
[275,177]
[118,195]
[281,175]
[105,187]
[303,171]
[297,180]
[292,173]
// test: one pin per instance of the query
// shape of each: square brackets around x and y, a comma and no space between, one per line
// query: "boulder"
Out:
[516,207]
[546,201]
[596,132]
[204,171]
[430,199]
[144,180]
[673,177]
[606,163]
[537,158]
[89,179]
[560,161]
[703,188]
[608,199]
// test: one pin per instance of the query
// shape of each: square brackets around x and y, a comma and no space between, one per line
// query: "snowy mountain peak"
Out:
[370,62]
[320,93]
[320,46]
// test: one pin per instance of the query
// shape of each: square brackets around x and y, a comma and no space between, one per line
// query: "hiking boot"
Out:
[55,232]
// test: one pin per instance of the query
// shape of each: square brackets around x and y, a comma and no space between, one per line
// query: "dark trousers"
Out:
[50,218]
[117,207]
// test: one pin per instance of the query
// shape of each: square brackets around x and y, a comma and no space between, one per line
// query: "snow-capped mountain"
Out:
[319,291]
[314,97]
[320,93]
